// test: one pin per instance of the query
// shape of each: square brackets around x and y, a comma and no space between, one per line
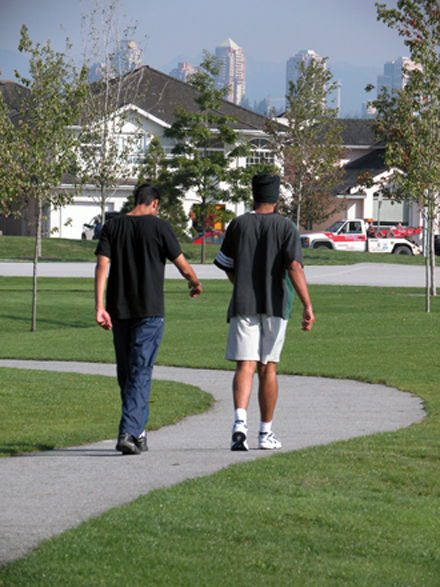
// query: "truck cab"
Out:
[343,235]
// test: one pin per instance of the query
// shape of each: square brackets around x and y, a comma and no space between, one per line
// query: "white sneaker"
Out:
[268,441]
[239,436]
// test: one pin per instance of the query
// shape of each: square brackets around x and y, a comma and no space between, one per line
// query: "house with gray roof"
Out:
[151,99]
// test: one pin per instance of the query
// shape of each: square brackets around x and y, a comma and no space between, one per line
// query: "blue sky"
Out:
[343,30]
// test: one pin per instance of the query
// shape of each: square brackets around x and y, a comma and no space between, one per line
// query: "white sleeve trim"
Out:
[225,261]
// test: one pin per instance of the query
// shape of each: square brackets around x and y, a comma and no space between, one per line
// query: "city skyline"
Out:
[347,33]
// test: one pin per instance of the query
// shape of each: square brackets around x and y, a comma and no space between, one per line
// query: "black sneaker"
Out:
[141,442]
[128,444]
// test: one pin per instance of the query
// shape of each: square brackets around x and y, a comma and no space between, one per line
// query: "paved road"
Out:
[45,493]
[376,274]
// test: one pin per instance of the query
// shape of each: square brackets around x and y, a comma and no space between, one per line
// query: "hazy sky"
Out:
[272,31]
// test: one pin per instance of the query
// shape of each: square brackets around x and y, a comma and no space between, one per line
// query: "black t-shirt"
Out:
[137,247]
[258,249]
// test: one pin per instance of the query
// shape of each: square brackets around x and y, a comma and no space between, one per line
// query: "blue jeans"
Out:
[136,342]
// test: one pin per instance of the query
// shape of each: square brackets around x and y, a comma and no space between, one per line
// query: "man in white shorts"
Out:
[262,257]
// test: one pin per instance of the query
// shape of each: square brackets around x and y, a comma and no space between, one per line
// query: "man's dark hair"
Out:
[145,194]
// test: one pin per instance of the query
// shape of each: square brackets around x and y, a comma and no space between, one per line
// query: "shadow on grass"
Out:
[14,450]
[48,322]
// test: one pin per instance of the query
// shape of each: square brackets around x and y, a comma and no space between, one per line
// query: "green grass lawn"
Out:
[363,512]
[15,248]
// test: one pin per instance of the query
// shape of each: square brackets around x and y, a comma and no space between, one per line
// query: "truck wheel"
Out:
[378,234]
[322,246]
[390,234]
[402,250]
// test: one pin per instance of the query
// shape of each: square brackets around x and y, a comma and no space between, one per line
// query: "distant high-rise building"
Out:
[293,64]
[182,71]
[367,110]
[394,77]
[128,57]
[233,70]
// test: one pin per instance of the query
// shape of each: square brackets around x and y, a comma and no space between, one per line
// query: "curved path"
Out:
[43,494]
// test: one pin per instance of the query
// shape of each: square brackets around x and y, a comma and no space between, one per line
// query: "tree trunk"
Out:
[203,252]
[432,259]
[427,290]
[36,255]
[298,210]
[103,198]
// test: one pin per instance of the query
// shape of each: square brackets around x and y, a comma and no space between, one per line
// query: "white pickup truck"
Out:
[352,235]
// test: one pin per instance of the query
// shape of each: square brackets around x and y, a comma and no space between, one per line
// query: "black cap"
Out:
[265,188]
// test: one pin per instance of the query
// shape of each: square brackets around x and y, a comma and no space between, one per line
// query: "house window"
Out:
[261,152]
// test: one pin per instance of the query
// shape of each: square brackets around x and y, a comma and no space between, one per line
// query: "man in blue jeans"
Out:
[136,246]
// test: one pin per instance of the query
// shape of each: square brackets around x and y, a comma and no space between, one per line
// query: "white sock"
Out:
[266,427]
[241,414]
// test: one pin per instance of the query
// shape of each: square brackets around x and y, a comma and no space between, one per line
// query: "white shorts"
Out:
[257,337]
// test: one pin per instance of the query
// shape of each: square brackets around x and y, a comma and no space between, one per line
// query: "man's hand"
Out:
[103,319]
[308,319]
[188,273]
[196,289]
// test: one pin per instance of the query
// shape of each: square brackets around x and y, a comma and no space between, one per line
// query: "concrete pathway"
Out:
[43,494]
[375,274]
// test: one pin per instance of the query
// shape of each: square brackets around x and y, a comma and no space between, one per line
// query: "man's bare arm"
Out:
[298,279]
[101,270]
[188,273]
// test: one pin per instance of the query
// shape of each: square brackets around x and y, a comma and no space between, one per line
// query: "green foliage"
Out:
[10,169]
[310,146]
[409,120]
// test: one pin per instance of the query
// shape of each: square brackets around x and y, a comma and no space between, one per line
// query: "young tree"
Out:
[201,161]
[11,177]
[39,149]
[310,146]
[110,134]
[409,120]
[154,169]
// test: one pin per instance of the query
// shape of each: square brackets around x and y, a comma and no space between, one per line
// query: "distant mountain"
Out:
[11,60]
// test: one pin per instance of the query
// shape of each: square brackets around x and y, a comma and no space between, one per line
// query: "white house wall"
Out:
[82,211]
[84,208]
